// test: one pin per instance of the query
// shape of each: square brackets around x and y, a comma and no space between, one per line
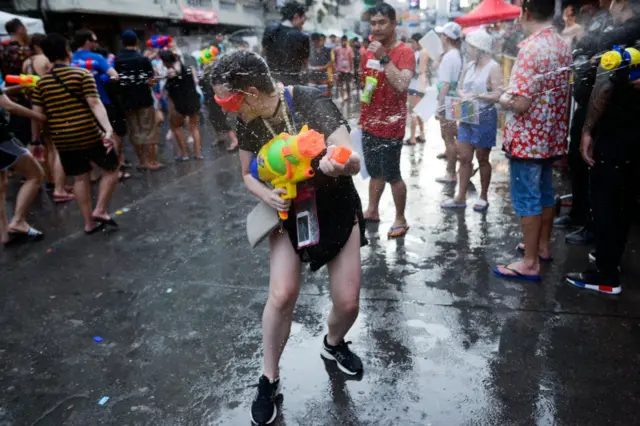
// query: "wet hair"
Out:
[540,10]
[316,37]
[384,9]
[168,57]
[416,37]
[241,70]
[12,26]
[81,37]
[333,36]
[55,47]
[36,40]
[344,38]
[291,9]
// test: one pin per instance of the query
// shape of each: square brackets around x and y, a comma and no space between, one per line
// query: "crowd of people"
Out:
[80,116]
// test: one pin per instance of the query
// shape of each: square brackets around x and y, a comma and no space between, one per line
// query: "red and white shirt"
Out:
[541,73]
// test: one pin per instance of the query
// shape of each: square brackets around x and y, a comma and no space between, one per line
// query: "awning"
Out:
[198,15]
[488,12]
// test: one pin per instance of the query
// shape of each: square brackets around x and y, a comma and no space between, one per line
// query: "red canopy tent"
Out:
[489,11]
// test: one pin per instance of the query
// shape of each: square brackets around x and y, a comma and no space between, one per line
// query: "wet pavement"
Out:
[177,297]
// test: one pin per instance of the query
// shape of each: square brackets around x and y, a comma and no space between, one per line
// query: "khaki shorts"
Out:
[142,126]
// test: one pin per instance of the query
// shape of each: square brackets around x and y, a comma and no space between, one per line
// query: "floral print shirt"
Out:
[541,73]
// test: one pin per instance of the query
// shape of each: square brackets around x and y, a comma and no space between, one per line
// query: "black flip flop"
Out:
[109,221]
[97,228]
[32,235]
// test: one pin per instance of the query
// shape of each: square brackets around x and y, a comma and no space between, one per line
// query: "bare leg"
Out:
[482,154]
[465,155]
[532,229]
[421,127]
[376,187]
[179,135]
[4,222]
[348,84]
[142,159]
[399,192]
[28,167]
[284,288]
[545,235]
[107,186]
[82,191]
[345,276]
[450,144]
[195,131]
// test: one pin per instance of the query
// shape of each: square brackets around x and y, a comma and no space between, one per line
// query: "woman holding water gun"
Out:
[333,230]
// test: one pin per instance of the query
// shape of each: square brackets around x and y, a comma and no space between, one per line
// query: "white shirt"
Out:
[450,67]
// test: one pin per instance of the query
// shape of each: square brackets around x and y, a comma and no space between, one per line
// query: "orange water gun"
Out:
[286,160]
[22,79]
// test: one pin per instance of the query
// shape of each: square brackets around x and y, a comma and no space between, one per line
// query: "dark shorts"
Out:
[345,76]
[76,163]
[117,119]
[382,157]
[18,125]
[10,151]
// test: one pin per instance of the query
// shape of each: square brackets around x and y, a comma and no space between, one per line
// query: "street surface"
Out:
[177,297]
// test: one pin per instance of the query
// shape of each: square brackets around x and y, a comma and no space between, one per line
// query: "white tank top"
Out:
[475,81]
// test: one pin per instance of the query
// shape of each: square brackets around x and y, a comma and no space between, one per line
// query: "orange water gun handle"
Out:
[341,154]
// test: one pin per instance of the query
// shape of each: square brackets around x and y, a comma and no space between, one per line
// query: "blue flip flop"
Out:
[518,275]
[451,204]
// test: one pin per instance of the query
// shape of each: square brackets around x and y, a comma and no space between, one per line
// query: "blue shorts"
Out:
[481,135]
[531,187]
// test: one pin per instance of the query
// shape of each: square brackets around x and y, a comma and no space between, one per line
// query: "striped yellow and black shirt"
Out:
[71,122]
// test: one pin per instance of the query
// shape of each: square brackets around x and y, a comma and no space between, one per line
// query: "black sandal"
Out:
[32,235]
[97,228]
[109,221]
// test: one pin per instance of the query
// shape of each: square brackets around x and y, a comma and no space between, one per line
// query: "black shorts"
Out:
[76,163]
[10,151]
[382,157]
[117,119]
[345,76]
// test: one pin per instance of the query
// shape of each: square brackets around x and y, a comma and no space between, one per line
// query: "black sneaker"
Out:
[581,237]
[593,280]
[263,408]
[347,361]
[563,222]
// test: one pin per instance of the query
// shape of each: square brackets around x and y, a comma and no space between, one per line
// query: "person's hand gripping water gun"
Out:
[286,160]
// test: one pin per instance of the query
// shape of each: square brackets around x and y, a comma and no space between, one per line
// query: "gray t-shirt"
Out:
[319,58]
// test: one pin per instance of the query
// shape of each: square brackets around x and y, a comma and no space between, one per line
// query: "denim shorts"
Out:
[531,187]
[481,135]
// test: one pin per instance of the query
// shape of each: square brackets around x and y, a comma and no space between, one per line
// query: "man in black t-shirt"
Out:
[286,47]
[610,148]
[319,63]
[136,78]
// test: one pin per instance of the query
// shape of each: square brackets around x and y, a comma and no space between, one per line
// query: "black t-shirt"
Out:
[182,91]
[134,70]
[337,201]
[624,106]
[287,49]
[319,58]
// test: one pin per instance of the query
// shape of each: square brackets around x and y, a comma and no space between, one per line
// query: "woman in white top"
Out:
[448,76]
[482,83]
[417,88]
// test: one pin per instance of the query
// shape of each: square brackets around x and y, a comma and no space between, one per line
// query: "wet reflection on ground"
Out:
[177,296]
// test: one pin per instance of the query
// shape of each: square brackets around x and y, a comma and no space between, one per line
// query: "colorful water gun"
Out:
[22,79]
[88,64]
[159,41]
[91,65]
[208,54]
[286,160]
[626,60]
